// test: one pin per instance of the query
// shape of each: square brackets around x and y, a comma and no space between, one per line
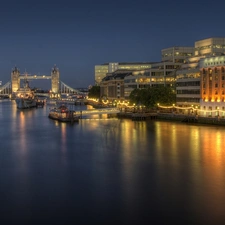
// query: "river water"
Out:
[108,171]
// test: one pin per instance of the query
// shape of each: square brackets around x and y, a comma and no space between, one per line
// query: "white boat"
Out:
[25,97]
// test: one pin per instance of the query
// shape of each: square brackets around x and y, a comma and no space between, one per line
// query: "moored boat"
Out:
[25,97]
[63,114]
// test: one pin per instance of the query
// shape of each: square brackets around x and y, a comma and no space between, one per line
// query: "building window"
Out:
[216,85]
[223,77]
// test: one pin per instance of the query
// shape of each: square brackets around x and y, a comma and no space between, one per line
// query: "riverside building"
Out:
[102,70]
[189,76]
[112,86]
[161,73]
[212,70]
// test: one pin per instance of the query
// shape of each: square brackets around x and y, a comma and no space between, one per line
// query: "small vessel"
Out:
[25,97]
[63,114]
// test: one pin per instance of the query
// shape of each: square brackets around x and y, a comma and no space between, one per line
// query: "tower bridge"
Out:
[57,86]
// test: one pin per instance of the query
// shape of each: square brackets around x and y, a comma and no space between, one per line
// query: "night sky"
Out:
[77,35]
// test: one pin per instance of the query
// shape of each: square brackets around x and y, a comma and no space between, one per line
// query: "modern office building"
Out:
[176,54]
[188,83]
[160,74]
[101,71]
[210,47]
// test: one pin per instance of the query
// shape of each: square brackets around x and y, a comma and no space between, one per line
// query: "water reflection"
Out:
[113,166]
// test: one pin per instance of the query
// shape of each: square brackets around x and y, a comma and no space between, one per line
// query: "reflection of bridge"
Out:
[57,87]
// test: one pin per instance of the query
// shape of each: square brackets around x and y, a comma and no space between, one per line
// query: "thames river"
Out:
[108,171]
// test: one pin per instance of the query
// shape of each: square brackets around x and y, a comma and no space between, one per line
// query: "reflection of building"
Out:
[212,70]
[101,71]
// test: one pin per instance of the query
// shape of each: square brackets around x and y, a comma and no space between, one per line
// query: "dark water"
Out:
[108,171]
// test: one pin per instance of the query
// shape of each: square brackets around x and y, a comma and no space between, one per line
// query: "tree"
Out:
[94,92]
[150,97]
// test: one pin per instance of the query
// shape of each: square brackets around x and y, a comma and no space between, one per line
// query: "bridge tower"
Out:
[15,80]
[55,81]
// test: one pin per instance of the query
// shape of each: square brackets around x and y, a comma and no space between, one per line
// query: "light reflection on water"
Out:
[155,170]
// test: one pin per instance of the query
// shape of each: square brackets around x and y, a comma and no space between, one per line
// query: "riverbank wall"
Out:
[173,117]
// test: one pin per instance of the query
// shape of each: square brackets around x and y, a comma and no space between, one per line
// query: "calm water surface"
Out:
[108,171]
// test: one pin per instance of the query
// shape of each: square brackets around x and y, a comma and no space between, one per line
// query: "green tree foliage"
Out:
[94,92]
[150,97]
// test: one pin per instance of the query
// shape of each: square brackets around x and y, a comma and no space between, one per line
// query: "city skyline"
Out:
[78,36]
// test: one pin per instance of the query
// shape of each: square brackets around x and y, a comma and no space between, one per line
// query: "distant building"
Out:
[101,71]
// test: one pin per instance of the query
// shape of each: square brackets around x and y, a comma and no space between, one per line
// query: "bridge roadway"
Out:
[100,111]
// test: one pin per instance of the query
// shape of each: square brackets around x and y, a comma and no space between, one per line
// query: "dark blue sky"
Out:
[77,35]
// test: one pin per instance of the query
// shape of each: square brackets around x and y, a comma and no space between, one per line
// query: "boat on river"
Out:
[63,114]
[25,97]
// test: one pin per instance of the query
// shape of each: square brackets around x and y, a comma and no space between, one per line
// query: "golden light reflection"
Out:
[23,139]
[63,136]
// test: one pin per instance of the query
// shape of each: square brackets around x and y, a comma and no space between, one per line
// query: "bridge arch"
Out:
[57,87]
[16,76]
